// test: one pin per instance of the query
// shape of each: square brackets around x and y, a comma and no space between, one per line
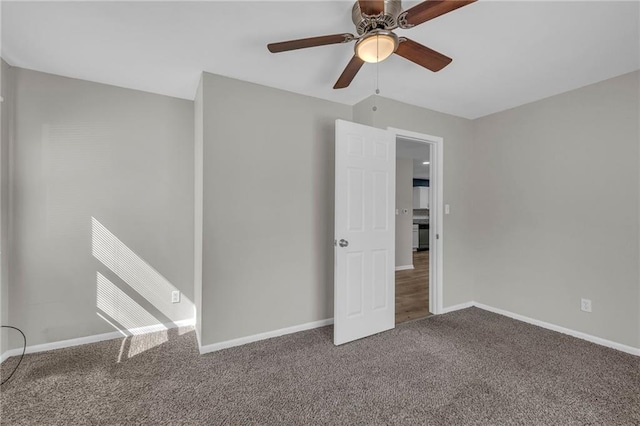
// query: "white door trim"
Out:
[436,215]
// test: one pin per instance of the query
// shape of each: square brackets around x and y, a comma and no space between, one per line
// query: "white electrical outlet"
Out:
[585,305]
[175,297]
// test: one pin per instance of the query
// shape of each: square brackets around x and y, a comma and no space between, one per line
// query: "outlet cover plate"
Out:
[175,297]
[585,305]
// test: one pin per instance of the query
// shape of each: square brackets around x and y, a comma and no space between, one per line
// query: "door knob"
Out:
[343,243]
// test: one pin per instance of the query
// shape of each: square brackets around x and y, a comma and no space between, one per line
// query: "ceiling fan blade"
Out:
[422,55]
[427,10]
[349,73]
[309,42]
[371,7]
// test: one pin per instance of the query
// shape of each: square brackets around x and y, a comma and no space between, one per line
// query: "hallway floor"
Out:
[412,289]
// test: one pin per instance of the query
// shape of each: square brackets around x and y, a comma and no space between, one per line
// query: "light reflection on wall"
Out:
[137,273]
[122,312]
[125,315]
[122,309]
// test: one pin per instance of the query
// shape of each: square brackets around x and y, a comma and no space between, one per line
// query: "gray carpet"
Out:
[467,367]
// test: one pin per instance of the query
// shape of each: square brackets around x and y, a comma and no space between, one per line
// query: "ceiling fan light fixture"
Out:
[375,21]
[376,46]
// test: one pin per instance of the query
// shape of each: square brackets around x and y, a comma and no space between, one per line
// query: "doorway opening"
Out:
[418,184]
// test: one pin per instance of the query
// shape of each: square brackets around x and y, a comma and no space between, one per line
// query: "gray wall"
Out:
[556,209]
[458,274]
[198,200]
[544,205]
[404,222]
[6,109]
[103,207]
[268,208]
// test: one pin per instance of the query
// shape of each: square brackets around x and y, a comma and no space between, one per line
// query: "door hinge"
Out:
[437,236]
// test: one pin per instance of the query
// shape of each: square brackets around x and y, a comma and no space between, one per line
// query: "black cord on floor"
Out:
[24,349]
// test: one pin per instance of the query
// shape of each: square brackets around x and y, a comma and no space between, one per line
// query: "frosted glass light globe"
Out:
[376,47]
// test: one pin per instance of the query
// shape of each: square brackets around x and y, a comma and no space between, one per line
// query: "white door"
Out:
[364,282]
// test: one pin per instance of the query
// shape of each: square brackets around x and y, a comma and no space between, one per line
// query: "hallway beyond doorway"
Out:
[412,289]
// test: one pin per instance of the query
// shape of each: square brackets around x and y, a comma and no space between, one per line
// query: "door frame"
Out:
[436,215]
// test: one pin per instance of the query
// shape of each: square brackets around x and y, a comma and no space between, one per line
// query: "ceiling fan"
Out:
[375,21]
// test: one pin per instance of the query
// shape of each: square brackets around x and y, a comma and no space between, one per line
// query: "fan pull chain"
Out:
[377,78]
[375,107]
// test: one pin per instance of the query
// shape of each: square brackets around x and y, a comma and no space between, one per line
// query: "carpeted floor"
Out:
[467,367]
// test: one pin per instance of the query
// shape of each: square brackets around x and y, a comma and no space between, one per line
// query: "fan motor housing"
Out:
[386,20]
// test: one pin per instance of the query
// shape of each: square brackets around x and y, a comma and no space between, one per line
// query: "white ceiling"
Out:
[504,53]
[419,152]
[420,170]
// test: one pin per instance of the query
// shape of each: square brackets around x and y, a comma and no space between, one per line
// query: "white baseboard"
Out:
[94,339]
[580,335]
[198,341]
[263,336]
[308,326]
[404,267]
[457,307]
